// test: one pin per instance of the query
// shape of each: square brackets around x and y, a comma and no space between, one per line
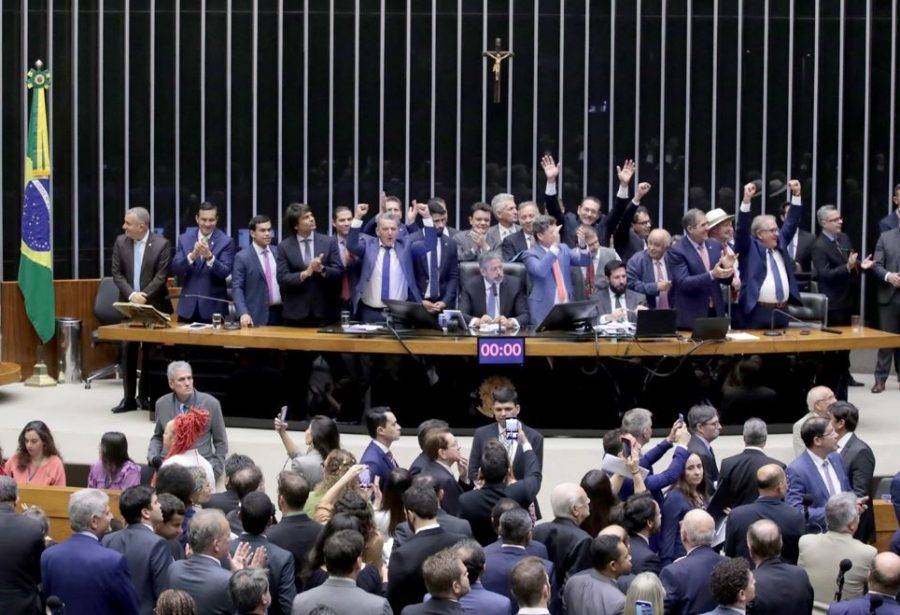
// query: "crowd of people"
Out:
[453,533]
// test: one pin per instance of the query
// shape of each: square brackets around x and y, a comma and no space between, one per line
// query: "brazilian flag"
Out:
[36,260]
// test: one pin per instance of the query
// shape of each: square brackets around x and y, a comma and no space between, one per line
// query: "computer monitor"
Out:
[412,315]
[710,329]
[570,316]
[655,323]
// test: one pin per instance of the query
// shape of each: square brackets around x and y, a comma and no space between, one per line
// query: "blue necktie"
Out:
[182,408]
[492,301]
[434,282]
[776,272]
[138,260]
[386,274]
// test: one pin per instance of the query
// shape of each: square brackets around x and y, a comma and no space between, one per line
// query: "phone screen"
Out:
[283,414]
[626,448]
[512,429]
[642,607]
[365,478]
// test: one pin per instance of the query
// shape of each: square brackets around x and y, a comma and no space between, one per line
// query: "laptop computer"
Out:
[710,329]
[655,323]
[412,315]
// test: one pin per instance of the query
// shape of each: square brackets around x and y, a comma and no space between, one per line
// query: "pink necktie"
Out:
[561,295]
[704,255]
[663,301]
[270,281]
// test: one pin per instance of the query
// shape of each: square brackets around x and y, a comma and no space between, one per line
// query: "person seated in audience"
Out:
[646,587]
[443,451]
[595,591]
[530,585]
[818,403]
[296,532]
[772,484]
[603,502]
[320,438]
[341,554]
[478,599]
[642,518]
[114,469]
[228,500]
[778,583]
[733,586]
[21,545]
[257,513]
[384,429]
[180,439]
[447,581]
[494,298]
[249,591]
[689,493]
[450,523]
[178,481]
[175,602]
[86,576]
[567,543]
[336,465]
[821,554]
[213,440]
[370,578]
[686,580]
[148,555]
[36,461]
[884,587]
[171,520]
[616,302]
[425,427]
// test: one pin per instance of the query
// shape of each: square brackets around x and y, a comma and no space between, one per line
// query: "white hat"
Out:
[717,216]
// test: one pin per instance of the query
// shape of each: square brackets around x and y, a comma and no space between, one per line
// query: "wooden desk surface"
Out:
[289,338]
[9,373]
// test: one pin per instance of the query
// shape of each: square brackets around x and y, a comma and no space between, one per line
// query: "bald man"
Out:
[686,580]
[884,585]
[772,484]
[648,273]
[818,403]
[777,582]
[568,546]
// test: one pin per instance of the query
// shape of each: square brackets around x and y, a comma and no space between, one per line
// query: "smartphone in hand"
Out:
[512,429]
[365,478]
[626,447]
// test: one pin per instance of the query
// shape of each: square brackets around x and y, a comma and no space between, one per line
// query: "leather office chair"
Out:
[107,294]
[469,270]
[814,308]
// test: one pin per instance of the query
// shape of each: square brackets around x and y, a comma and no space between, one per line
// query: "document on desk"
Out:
[196,326]
[741,336]
[362,328]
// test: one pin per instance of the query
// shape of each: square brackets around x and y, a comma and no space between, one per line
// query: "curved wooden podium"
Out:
[10,373]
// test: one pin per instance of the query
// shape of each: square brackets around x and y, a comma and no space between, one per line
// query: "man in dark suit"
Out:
[256,514]
[140,266]
[387,262]
[767,277]
[859,462]
[617,302]
[589,280]
[296,532]
[447,581]
[647,271]
[406,584]
[443,452]
[642,519]
[229,500]
[737,480]
[203,260]
[629,222]
[147,554]
[532,548]
[817,474]
[567,544]
[703,421]
[86,576]
[881,597]
[425,427]
[477,505]
[340,221]
[686,580]
[699,270]
[451,524]
[588,212]
[21,545]
[257,297]
[892,220]
[772,485]
[778,583]
[473,242]
[799,247]
[887,272]
[494,298]
[437,272]
[384,430]
[515,245]
[530,585]
[506,406]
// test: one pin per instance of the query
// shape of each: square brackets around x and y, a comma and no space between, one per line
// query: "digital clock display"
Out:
[501,350]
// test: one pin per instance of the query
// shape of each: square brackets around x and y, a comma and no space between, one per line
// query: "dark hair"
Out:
[43,432]
[325,434]
[256,512]
[134,500]
[293,213]
[505,395]
[169,506]
[113,452]
[604,550]
[338,209]
[293,487]
[247,588]
[207,206]
[696,496]
[494,462]
[375,418]
[342,550]
[260,219]
[502,505]
[612,265]
[178,481]
[428,425]
[812,428]
[427,481]
[728,578]
[436,205]
[527,580]
[316,556]
[246,480]
[474,557]
[515,525]
[639,509]
[398,481]
[421,501]
[479,206]
[847,412]
[640,209]
[612,441]
[175,602]
[351,502]
[602,501]
[234,464]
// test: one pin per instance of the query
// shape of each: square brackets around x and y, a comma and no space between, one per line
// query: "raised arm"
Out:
[551,202]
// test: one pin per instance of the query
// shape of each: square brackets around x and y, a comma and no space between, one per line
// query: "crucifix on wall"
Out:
[497,55]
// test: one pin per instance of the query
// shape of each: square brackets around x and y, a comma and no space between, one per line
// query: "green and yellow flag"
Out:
[36,260]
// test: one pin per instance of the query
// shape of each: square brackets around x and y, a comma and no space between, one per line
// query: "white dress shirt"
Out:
[505,232]
[205,239]
[818,462]
[665,270]
[843,441]
[140,247]
[399,288]
[767,290]
[428,257]
[276,292]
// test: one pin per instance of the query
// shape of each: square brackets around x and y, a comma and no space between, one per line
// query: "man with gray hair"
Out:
[821,554]
[249,591]
[213,442]
[86,576]
[503,206]
[703,422]
[514,246]
[818,403]
[140,266]
[21,545]
[494,298]
[568,546]
[639,423]
[737,479]
[686,580]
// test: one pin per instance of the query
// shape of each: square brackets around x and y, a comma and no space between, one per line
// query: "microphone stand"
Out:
[807,326]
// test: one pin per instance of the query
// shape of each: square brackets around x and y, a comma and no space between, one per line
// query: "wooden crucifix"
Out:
[497,55]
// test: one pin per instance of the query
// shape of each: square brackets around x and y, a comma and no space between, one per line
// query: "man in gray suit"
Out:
[503,206]
[147,554]
[212,443]
[473,242]
[887,270]
[591,279]
[343,561]
[733,586]
[594,591]
[249,591]
[618,303]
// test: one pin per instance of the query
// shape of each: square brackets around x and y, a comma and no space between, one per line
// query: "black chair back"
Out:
[815,307]
[469,270]
[107,294]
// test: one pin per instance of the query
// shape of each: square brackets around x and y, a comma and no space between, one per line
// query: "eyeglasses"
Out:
[643,222]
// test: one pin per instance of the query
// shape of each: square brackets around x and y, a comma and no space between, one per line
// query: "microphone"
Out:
[229,320]
[55,605]
[845,565]
[875,601]
[772,332]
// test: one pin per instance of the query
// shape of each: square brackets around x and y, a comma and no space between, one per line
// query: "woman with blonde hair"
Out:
[645,590]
